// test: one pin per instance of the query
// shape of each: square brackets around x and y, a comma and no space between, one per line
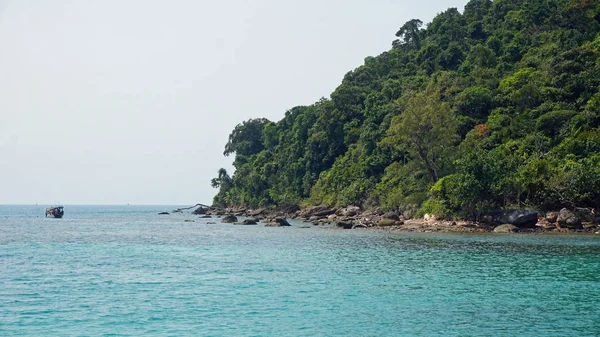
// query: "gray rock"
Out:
[568,219]
[506,228]
[386,222]
[391,216]
[256,212]
[321,211]
[520,218]
[278,222]
[349,211]
[200,211]
[344,225]
[229,219]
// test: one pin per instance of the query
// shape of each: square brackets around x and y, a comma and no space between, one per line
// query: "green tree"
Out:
[409,34]
[426,128]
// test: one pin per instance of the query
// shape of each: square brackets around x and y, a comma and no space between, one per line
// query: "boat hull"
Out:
[55,212]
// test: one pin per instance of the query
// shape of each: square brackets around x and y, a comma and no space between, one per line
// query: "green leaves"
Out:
[426,128]
[495,107]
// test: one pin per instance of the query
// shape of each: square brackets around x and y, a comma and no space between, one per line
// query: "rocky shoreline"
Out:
[352,217]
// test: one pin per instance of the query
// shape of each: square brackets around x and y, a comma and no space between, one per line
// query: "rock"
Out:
[551,217]
[568,219]
[348,211]
[199,211]
[344,224]
[163,213]
[487,219]
[229,219]
[506,228]
[391,216]
[256,212]
[519,218]
[321,211]
[205,217]
[278,222]
[246,222]
[386,222]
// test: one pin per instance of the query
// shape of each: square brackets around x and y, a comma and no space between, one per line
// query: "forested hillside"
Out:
[496,107]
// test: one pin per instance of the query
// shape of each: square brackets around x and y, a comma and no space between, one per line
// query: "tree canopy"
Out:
[497,106]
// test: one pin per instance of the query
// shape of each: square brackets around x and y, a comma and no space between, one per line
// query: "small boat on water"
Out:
[55,212]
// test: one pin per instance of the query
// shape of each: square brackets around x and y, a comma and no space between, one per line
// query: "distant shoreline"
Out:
[353,218]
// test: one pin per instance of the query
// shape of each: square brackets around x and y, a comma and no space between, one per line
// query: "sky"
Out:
[132,101]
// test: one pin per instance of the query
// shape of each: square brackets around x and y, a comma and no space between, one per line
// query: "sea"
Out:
[127,271]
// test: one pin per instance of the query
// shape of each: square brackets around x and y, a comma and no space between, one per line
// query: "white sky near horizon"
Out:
[116,102]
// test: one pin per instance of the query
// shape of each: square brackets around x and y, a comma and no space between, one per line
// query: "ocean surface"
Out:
[126,271]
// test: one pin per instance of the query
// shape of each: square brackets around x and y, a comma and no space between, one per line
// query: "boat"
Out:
[55,212]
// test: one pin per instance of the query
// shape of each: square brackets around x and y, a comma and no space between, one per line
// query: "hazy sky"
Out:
[132,101]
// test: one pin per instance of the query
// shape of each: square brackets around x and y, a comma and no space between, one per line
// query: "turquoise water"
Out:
[125,271]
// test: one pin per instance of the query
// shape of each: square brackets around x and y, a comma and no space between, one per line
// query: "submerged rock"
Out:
[246,222]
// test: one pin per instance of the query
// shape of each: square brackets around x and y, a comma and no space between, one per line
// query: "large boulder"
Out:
[520,218]
[277,222]
[229,219]
[345,224]
[568,219]
[200,211]
[391,216]
[506,228]
[348,211]
[320,211]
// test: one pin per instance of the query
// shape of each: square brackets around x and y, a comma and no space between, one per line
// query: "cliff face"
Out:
[494,107]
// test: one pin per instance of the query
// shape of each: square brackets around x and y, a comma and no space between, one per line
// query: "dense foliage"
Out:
[498,106]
